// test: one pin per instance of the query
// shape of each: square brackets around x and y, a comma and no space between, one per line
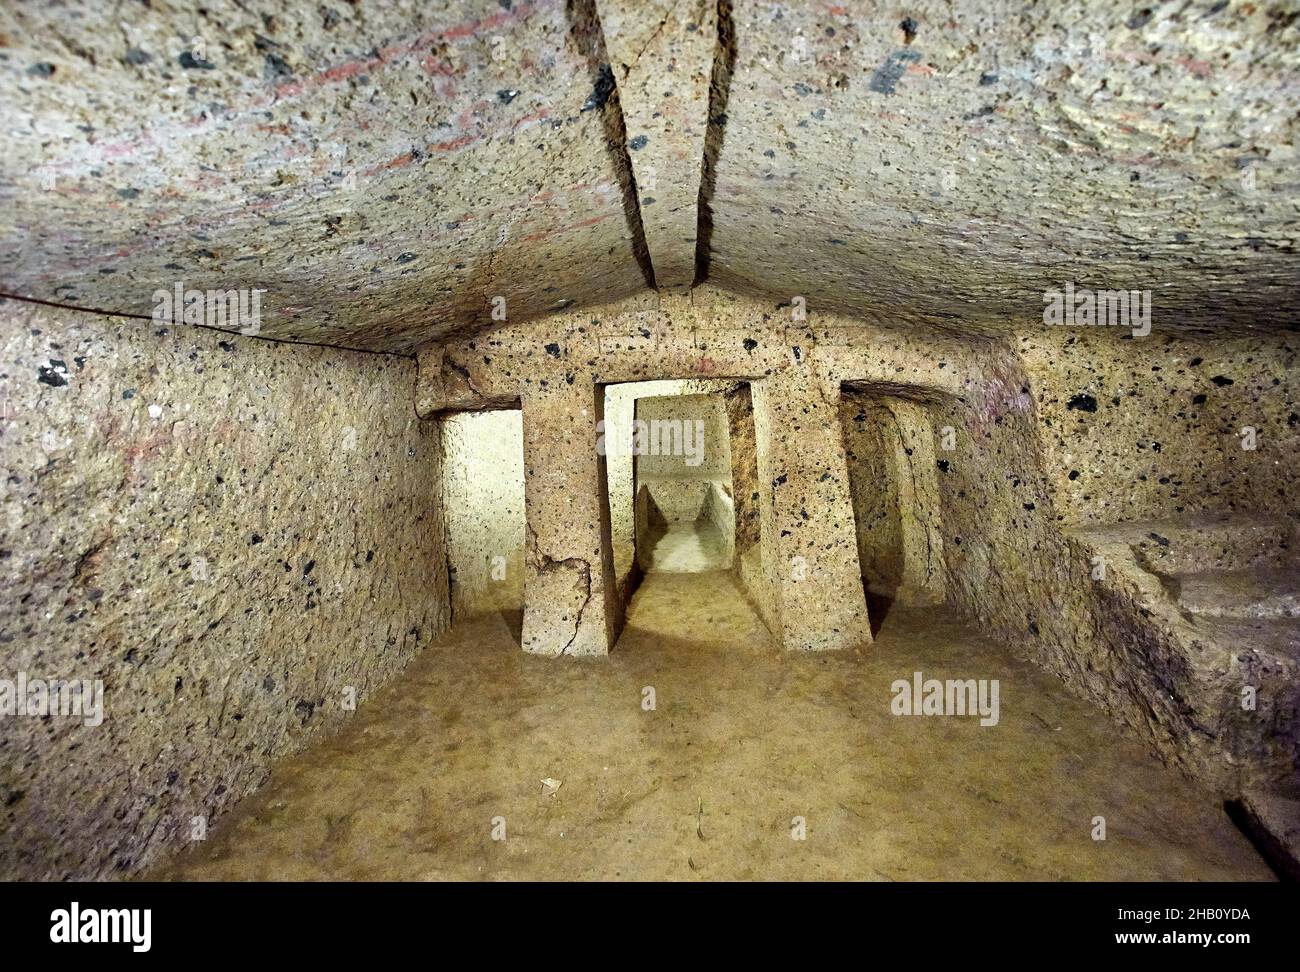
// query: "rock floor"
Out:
[688,548]
[742,739]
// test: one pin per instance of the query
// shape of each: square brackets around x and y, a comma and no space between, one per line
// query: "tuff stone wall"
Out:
[713,452]
[1114,637]
[229,533]
[748,563]
[744,465]
[1142,428]
[1135,447]
[483,504]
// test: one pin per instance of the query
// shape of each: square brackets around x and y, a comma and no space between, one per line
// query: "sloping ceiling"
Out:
[952,161]
[383,171]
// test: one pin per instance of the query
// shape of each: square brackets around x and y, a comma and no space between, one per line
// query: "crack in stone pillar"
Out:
[570,607]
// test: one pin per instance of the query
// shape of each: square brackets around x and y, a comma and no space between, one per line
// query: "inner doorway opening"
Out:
[685,517]
[672,479]
[890,445]
[682,480]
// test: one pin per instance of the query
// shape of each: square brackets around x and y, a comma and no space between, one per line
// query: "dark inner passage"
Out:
[890,446]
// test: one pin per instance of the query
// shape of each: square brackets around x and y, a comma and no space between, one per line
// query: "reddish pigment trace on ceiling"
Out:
[382,172]
[385,171]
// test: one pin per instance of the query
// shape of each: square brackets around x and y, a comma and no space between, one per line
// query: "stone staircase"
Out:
[1220,596]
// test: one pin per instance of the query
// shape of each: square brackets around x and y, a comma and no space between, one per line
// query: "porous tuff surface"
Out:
[385,171]
[230,534]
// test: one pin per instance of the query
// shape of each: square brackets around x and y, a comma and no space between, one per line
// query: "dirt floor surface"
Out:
[743,744]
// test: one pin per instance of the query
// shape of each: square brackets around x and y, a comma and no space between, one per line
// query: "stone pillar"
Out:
[810,547]
[570,605]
